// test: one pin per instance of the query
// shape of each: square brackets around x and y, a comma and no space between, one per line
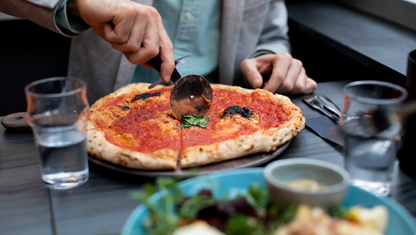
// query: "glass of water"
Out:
[370,145]
[58,112]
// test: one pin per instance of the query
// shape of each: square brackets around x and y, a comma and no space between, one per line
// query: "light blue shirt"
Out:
[193,26]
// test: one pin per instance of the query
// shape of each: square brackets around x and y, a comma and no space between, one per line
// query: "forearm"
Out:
[42,13]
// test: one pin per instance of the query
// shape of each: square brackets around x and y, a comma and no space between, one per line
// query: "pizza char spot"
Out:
[124,108]
[274,139]
[250,148]
[125,155]
[232,110]
[146,95]
[200,149]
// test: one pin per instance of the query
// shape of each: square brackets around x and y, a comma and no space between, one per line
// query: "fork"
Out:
[314,103]
[329,105]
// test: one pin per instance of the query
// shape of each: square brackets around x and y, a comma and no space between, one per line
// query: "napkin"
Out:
[326,129]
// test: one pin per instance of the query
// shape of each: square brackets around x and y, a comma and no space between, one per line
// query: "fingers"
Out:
[300,84]
[166,53]
[122,24]
[130,27]
[293,77]
[288,74]
[250,71]
[311,85]
[149,47]
[281,64]
[135,37]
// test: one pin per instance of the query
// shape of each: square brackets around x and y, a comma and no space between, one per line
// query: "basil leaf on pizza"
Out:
[189,120]
[136,128]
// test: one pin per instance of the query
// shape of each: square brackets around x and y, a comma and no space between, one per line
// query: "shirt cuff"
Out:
[260,52]
[69,23]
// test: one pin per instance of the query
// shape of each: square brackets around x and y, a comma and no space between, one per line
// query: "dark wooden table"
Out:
[102,204]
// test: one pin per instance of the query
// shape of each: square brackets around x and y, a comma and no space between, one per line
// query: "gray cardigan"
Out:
[247,26]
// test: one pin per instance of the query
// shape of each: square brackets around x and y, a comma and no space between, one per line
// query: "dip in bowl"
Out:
[306,181]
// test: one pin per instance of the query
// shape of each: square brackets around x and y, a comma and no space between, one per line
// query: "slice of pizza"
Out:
[136,128]
[242,122]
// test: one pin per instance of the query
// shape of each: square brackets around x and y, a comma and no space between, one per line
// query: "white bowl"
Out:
[278,174]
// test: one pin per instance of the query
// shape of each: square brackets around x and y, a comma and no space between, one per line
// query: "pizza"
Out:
[135,127]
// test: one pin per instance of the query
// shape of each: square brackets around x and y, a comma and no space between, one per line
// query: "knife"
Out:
[315,104]
[191,94]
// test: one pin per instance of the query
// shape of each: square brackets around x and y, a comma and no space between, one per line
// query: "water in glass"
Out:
[63,156]
[370,159]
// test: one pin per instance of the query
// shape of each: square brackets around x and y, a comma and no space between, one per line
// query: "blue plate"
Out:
[237,181]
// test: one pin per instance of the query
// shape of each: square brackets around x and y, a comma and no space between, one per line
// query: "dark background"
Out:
[28,52]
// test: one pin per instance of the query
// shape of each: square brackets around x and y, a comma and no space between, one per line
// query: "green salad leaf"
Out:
[251,213]
[189,120]
[287,215]
[338,212]
[244,225]
[163,218]
[258,198]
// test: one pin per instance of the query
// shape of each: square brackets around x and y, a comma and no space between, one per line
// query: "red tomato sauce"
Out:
[147,135]
[271,115]
[145,132]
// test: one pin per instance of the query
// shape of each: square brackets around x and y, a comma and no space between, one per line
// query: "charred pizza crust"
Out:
[261,141]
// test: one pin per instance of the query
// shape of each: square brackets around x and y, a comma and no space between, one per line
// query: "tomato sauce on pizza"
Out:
[139,129]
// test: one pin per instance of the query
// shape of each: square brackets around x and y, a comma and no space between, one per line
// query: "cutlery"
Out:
[155,63]
[329,105]
[191,94]
[315,104]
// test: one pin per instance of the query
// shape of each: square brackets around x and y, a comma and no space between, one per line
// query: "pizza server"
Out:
[191,94]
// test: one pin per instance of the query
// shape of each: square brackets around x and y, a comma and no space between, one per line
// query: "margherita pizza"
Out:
[136,128]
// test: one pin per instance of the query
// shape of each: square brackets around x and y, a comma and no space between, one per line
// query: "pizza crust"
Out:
[99,147]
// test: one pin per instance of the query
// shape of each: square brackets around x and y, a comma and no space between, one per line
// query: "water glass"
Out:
[58,112]
[369,150]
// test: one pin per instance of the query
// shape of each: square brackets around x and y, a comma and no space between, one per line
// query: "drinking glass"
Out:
[369,150]
[58,111]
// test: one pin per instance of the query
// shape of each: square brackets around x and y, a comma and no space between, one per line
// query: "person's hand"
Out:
[287,74]
[132,28]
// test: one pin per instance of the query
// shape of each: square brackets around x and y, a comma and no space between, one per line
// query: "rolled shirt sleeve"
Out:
[70,24]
